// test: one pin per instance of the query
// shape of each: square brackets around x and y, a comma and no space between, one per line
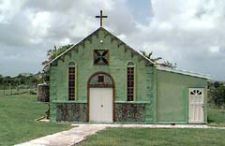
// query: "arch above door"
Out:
[100,80]
[101,98]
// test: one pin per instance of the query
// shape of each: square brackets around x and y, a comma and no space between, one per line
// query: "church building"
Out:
[103,80]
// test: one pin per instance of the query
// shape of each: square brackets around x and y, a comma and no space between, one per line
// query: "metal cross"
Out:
[101,17]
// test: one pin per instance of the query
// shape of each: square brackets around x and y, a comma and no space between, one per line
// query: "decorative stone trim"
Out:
[130,112]
[72,112]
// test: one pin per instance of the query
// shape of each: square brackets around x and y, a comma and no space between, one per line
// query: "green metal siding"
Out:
[172,101]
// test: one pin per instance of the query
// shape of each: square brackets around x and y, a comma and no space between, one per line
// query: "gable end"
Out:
[88,38]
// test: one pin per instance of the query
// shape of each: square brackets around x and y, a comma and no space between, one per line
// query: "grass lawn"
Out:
[17,124]
[216,116]
[9,92]
[156,137]
[17,120]
[163,137]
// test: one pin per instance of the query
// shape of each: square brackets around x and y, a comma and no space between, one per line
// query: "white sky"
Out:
[189,33]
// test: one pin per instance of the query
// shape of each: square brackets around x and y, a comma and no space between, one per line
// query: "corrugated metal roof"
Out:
[184,72]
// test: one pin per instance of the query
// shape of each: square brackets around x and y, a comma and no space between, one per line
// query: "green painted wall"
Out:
[120,55]
[161,96]
[172,91]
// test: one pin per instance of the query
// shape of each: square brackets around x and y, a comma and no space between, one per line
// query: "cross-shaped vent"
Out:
[101,57]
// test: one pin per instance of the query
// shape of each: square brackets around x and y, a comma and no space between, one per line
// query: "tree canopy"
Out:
[53,53]
[217,93]
[165,63]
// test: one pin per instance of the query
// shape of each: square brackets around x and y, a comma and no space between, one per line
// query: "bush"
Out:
[32,92]
[217,94]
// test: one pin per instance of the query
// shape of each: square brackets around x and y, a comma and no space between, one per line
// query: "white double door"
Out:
[101,105]
[196,105]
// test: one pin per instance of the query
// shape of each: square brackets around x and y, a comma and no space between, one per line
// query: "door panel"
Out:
[101,105]
[196,105]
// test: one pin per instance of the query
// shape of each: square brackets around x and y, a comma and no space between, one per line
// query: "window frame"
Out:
[130,64]
[74,79]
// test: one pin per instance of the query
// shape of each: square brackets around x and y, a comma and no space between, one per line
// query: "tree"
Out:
[21,79]
[7,80]
[149,56]
[217,93]
[217,84]
[53,53]
[1,79]
[165,63]
[169,64]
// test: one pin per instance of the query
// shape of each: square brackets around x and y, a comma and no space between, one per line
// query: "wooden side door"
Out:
[196,105]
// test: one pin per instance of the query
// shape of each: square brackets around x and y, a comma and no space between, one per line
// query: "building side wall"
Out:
[172,96]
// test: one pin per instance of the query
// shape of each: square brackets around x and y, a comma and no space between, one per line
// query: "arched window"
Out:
[71,80]
[101,80]
[130,81]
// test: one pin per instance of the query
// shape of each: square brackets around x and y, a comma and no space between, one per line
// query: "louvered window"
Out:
[130,82]
[71,83]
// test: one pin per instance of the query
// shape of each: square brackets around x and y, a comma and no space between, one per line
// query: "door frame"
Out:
[203,105]
[109,86]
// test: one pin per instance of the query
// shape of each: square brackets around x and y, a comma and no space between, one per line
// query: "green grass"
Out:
[9,92]
[156,137]
[164,137]
[216,116]
[17,120]
[17,124]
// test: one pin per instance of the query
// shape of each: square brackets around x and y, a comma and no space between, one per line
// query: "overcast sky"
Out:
[190,33]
